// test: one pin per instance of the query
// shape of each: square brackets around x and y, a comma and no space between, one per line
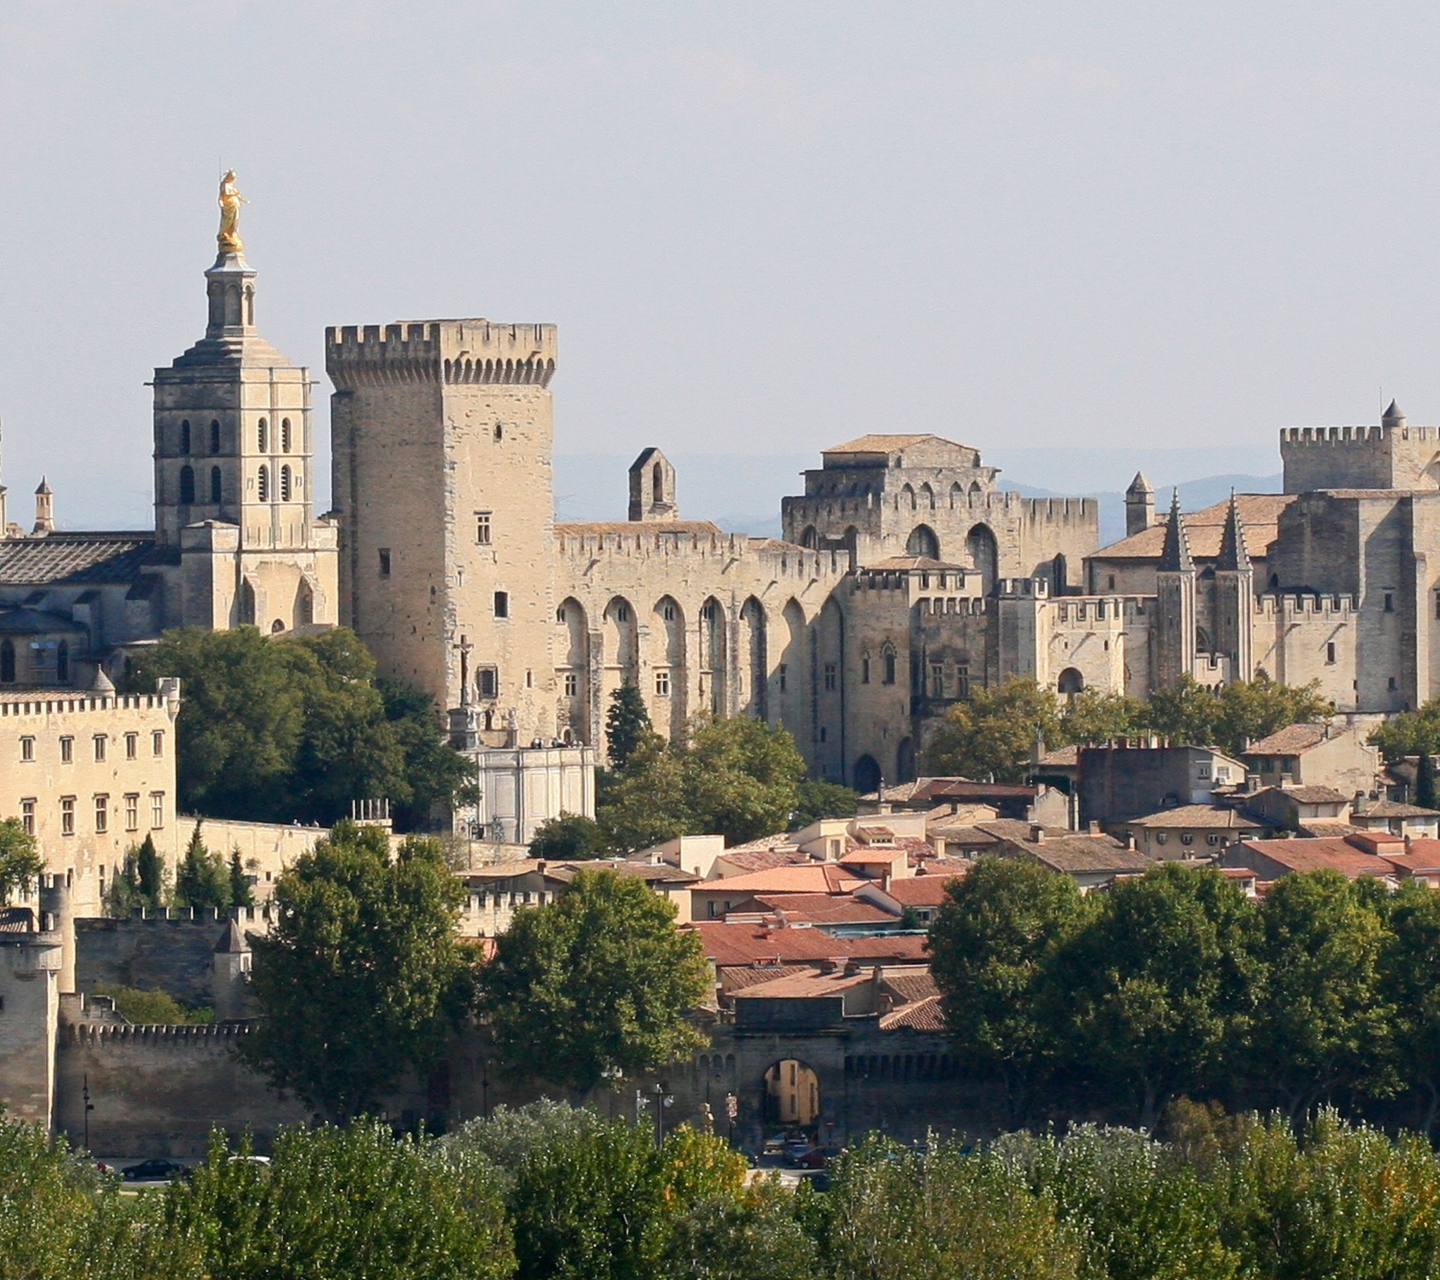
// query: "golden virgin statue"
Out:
[230,202]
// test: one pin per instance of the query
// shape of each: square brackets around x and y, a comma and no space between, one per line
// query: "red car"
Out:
[818,1157]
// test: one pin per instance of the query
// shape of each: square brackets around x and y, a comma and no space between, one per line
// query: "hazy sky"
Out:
[761,227]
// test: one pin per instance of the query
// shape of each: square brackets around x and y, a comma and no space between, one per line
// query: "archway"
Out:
[905,760]
[810,539]
[1071,682]
[572,644]
[245,604]
[714,691]
[752,652]
[984,554]
[923,542]
[867,775]
[304,603]
[666,696]
[792,1094]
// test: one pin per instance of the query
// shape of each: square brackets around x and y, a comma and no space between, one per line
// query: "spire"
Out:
[1233,554]
[44,508]
[1394,416]
[1140,484]
[1175,558]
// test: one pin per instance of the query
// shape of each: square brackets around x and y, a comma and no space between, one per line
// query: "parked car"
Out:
[796,1149]
[152,1171]
[818,1157]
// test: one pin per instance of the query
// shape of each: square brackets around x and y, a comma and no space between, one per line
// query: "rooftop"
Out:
[1314,855]
[1259,513]
[1308,795]
[1199,815]
[748,944]
[75,557]
[809,877]
[1293,740]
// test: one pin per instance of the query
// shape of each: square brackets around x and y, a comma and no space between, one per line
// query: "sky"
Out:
[1043,229]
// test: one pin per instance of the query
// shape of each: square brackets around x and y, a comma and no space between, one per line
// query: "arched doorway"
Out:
[984,554]
[923,542]
[1071,682]
[792,1094]
[867,775]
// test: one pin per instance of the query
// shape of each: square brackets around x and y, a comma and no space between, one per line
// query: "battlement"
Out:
[1390,456]
[178,1034]
[47,704]
[969,502]
[1355,435]
[1303,604]
[653,540]
[452,351]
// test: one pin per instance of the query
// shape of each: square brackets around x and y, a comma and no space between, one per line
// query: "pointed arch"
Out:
[905,760]
[304,612]
[285,435]
[572,647]
[957,494]
[907,497]
[285,483]
[923,542]
[810,539]
[984,555]
[262,435]
[754,687]
[1071,682]
[667,660]
[712,658]
[927,496]
[187,486]
[245,604]
[866,776]
[262,484]
[621,638]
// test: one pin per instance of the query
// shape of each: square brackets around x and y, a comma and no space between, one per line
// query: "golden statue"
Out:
[230,202]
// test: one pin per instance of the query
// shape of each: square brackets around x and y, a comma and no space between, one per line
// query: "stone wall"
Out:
[164,951]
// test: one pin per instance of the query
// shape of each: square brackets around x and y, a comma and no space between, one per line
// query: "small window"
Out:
[102,815]
[499,431]
[284,435]
[502,604]
[662,684]
[823,733]
[262,485]
[27,816]
[214,437]
[782,673]
[937,680]
[572,685]
[1161,837]
[1214,840]
[132,811]
[890,668]
[1330,652]
[384,562]
[487,680]
[529,678]
[560,614]
[829,677]
[622,613]
[1392,682]
[285,483]
[962,682]
[1112,582]
[157,809]
[262,436]
[482,529]
[1187,838]
[67,815]
[27,748]
[668,612]
[157,743]
[216,490]
[67,750]
[99,744]
[1389,603]
[187,486]
[185,436]
[865,669]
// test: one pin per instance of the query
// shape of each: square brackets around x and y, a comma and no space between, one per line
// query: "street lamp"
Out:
[89,1107]
[662,1100]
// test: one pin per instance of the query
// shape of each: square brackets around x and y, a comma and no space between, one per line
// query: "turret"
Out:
[1393,418]
[1234,596]
[44,509]
[652,487]
[1139,505]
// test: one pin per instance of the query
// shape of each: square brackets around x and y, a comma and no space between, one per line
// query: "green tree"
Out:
[438,776]
[1321,1021]
[151,874]
[1156,991]
[627,725]
[1094,716]
[1409,966]
[990,946]
[571,837]
[152,1008]
[361,977]
[1425,781]
[993,732]
[1185,712]
[1248,710]
[1413,733]
[598,980]
[20,862]
[753,1236]
[201,880]
[241,893]
[815,799]
[648,801]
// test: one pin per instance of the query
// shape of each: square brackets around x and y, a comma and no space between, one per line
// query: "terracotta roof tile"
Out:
[1259,513]
[1199,815]
[824,908]
[922,1015]
[811,877]
[741,944]
[1294,740]
[921,891]
[1312,855]
[881,443]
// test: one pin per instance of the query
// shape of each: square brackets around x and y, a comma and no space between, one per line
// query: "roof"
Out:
[1074,853]
[736,977]
[922,1015]
[920,891]
[1061,757]
[1394,809]
[903,563]
[872,855]
[805,986]
[76,557]
[809,877]
[650,872]
[908,984]
[641,528]
[824,908]
[1417,861]
[1309,795]
[1259,513]
[1175,550]
[745,944]
[763,859]
[881,443]
[1315,855]
[232,940]
[1199,815]
[1293,740]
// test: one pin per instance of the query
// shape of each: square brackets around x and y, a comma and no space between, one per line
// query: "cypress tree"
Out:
[1425,781]
[627,724]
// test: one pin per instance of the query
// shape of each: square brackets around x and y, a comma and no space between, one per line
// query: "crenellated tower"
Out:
[1174,631]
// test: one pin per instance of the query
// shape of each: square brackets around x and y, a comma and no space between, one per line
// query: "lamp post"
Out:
[89,1107]
[662,1100]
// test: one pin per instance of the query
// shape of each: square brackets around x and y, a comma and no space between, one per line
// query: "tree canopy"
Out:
[293,729]
[627,725]
[361,977]
[598,980]
[20,861]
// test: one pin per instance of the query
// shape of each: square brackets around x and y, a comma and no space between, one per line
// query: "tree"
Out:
[1248,710]
[241,894]
[1321,1022]
[1185,712]
[361,977]
[598,980]
[294,729]
[993,732]
[1408,969]
[1425,781]
[991,942]
[20,862]
[1413,733]
[1094,717]
[627,725]
[815,799]
[571,837]
[150,873]
[139,881]
[201,880]
[1157,989]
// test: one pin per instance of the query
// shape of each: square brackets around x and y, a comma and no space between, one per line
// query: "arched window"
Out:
[245,604]
[187,486]
[185,436]
[658,483]
[263,436]
[923,542]
[285,483]
[62,662]
[867,774]
[215,437]
[284,435]
[215,486]
[262,485]
[7,663]
[304,604]
[1070,682]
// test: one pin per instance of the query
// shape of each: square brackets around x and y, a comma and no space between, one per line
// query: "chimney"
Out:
[1287,781]
[1037,833]
[1252,782]
[1092,828]
[1129,839]
[540,866]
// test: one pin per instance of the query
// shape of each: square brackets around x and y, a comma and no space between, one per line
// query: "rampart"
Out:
[1376,457]
[455,351]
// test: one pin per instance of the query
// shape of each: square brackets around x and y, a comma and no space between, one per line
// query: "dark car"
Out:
[152,1171]
[817,1157]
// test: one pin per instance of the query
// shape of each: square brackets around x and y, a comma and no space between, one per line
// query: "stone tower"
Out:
[1175,605]
[1234,609]
[233,474]
[44,509]
[1139,505]
[652,487]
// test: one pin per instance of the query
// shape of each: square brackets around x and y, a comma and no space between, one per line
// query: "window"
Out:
[157,743]
[262,436]
[67,750]
[482,529]
[285,483]
[962,682]
[890,666]
[215,487]
[7,662]
[262,485]
[384,562]
[1187,838]
[1330,652]
[214,437]
[668,612]
[502,604]
[488,681]
[1213,840]
[27,748]
[823,733]
[529,678]
[132,811]
[782,673]
[662,684]
[99,744]
[27,816]
[1161,837]
[284,435]
[67,815]
[1437,604]
[829,677]
[622,613]
[1112,582]
[187,486]
[937,680]
[499,431]
[1389,603]
[102,815]
[572,685]
[157,809]
[865,668]
[1392,682]
[185,436]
